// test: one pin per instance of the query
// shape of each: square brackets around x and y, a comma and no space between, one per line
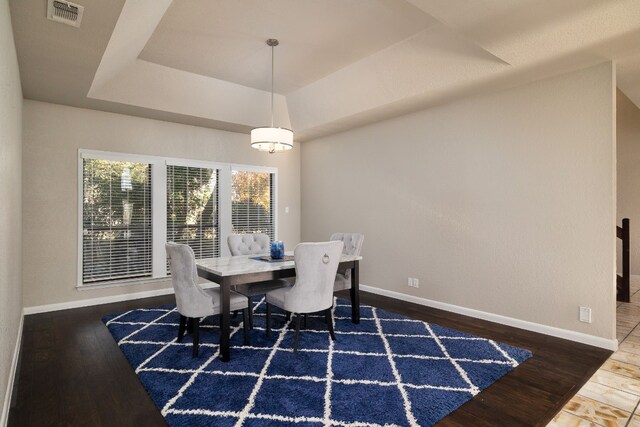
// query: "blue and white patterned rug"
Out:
[388,370]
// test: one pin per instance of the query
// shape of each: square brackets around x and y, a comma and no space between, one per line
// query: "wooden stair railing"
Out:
[623,293]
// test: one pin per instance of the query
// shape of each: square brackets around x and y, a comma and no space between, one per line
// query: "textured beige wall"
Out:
[628,144]
[10,200]
[503,203]
[52,136]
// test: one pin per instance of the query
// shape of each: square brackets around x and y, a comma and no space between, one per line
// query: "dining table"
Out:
[237,270]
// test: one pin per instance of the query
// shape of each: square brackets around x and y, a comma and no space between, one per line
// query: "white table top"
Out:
[243,264]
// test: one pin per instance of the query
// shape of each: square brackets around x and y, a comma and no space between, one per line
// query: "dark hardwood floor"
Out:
[72,372]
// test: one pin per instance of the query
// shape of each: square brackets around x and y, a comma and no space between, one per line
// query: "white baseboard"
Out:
[104,300]
[96,301]
[4,418]
[608,344]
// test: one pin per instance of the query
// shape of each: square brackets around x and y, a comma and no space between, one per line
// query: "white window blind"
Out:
[252,202]
[116,220]
[130,205]
[192,209]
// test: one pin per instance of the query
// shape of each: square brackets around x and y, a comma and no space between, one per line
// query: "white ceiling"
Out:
[318,37]
[341,63]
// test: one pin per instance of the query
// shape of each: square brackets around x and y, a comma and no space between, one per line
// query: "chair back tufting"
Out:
[248,244]
[352,242]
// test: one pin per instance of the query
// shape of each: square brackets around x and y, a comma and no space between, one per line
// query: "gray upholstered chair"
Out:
[249,244]
[194,302]
[253,244]
[316,267]
[352,246]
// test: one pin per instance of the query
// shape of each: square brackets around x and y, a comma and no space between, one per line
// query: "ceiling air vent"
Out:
[65,12]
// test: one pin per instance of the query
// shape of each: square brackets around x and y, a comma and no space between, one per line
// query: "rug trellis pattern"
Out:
[388,370]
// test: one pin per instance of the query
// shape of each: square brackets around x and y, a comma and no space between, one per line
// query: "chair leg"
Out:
[182,327]
[246,322]
[235,314]
[268,320]
[295,340]
[329,318]
[288,313]
[196,335]
[250,312]
[189,326]
[306,318]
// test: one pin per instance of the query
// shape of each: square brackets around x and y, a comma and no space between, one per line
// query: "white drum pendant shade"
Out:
[272,140]
[269,138]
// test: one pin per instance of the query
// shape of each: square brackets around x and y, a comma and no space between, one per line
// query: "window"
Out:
[131,205]
[252,202]
[116,220]
[192,209]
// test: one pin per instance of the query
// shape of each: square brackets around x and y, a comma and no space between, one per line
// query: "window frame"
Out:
[159,207]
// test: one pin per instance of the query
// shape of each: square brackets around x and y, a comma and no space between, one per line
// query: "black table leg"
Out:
[355,293]
[225,320]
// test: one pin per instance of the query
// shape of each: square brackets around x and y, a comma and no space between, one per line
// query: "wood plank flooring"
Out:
[73,373]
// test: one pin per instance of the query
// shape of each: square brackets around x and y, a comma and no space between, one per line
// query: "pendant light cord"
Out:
[272,84]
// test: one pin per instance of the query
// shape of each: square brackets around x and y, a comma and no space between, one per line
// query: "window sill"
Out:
[120,283]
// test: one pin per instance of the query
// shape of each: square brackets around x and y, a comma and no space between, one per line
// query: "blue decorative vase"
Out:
[277,249]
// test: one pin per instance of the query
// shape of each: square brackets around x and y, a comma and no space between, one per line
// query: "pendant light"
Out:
[272,139]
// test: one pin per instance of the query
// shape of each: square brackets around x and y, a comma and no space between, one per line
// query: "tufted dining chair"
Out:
[192,301]
[249,244]
[316,267]
[352,246]
[253,244]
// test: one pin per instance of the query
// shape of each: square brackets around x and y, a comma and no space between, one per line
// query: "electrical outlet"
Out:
[410,282]
[585,314]
[416,282]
